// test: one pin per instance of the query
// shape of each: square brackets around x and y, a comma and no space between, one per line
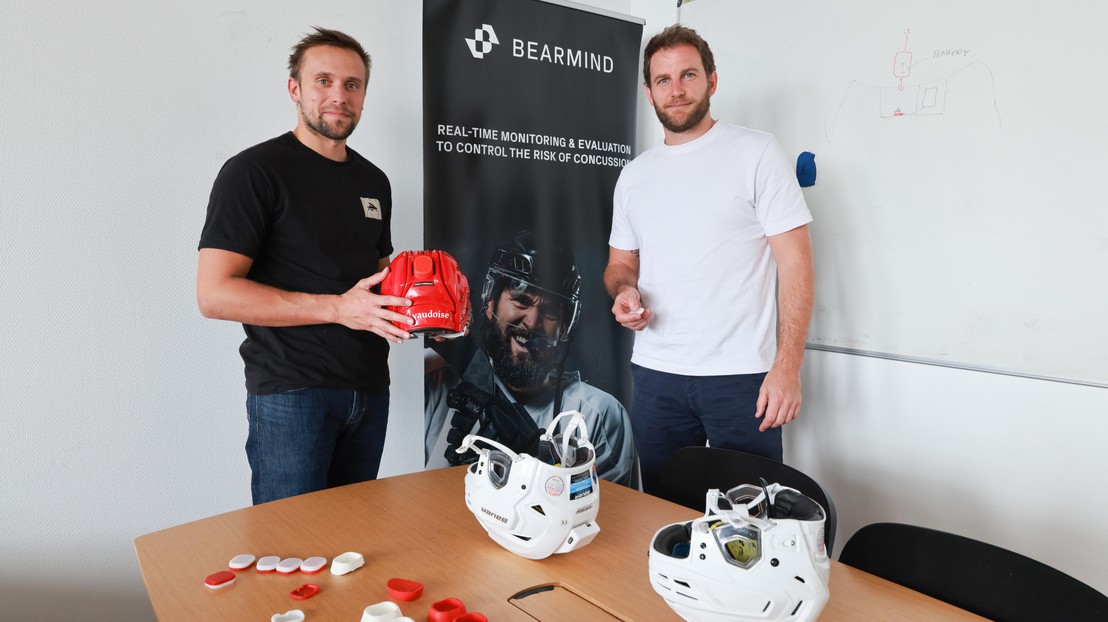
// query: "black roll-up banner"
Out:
[529,116]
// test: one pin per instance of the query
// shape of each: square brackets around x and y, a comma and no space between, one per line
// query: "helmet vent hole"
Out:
[682,583]
[801,579]
[538,508]
[798,606]
[766,608]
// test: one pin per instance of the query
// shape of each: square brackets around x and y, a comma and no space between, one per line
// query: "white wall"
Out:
[1016,462]
[123,408]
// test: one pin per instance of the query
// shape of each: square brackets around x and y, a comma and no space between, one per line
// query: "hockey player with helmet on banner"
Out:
[507,381]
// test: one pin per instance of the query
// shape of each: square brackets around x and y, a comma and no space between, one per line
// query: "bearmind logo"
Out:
[431,315]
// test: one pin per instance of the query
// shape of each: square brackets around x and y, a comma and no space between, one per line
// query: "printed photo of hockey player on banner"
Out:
[529,116]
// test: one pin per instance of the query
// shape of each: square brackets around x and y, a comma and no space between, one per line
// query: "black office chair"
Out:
[982,578]
[692,471]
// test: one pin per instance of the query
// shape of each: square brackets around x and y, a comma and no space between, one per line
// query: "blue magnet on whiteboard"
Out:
[806,169]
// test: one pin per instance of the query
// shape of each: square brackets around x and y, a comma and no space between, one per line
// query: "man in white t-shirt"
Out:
[710,261]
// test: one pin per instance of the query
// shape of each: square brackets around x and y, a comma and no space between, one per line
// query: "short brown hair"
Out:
[671,37]
[323,36]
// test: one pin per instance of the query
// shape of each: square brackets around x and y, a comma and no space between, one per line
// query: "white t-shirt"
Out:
[699,214]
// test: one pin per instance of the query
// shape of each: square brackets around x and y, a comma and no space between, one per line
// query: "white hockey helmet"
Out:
[759,557]
[535,506]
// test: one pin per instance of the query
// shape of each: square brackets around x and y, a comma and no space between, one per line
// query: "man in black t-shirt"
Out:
[296,236]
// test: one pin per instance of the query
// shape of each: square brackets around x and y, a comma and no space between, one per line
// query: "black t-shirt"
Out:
[311,225]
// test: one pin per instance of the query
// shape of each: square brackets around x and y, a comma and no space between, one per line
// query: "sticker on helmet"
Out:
[580,485]
[555,486]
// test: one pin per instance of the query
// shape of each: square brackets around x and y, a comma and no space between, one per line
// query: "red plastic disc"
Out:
[403,589]
[223,578]
[445,610]
[305,591]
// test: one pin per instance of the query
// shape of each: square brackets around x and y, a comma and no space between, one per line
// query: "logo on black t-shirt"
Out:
[372,208]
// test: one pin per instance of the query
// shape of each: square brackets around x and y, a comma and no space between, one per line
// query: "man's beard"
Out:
[325,129]
[525,370]
[696,115]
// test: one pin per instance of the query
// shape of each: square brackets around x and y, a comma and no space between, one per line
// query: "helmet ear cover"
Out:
[793,504]
[673,540]
[500,467]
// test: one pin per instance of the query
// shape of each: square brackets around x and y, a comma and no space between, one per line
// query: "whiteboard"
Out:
[959,208]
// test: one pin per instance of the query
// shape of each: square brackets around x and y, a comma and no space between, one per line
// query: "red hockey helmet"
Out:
[437,288]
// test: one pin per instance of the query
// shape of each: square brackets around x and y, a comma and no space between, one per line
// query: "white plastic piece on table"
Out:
[241,562]
[347,562]
[267,563]
[289,566]
[293,615]
[385,611]
[313,565]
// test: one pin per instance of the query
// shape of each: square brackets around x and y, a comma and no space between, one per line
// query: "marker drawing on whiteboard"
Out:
[918,97]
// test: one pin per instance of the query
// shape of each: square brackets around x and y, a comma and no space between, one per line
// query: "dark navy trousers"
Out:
[671,411]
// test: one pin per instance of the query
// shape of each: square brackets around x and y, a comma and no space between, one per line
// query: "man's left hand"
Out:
[778,399]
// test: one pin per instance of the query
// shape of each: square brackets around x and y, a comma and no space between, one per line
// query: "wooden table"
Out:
[417,527]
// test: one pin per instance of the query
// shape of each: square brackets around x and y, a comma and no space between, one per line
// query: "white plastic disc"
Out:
[267,563]
[289,566]
[241,562]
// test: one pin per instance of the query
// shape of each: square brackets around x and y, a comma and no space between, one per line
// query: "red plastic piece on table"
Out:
[223,578]
[305,591]
[472,616]
[403,589]
[446,610]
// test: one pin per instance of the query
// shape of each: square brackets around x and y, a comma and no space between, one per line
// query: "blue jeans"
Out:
[309,439]
[671,411]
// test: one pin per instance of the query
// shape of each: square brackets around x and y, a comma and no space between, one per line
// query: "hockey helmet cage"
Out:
[437,288]
[548,270]
[536,506]
[757,554]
